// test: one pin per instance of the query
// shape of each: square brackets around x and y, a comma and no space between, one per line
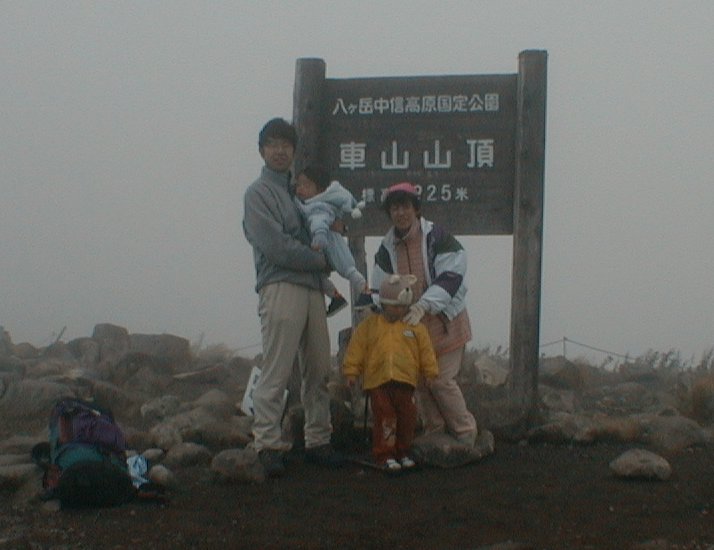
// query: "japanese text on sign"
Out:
[480,154]
[431,193]
[425,104]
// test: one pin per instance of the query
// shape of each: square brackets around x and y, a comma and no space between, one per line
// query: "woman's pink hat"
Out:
[403,186]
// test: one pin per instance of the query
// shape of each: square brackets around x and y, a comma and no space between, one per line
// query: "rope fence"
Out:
[564,341]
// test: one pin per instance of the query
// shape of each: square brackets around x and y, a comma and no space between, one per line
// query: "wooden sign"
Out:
[475,147]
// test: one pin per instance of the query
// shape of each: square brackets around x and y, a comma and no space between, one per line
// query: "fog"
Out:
[128,134]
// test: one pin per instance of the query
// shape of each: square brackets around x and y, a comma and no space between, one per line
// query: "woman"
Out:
[417,246]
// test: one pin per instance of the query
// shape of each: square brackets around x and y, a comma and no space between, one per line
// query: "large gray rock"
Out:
[85,350]
[187,454]
[564,427]
[488,371]
[113,342]
[672,432]
[29,398]
[238,465]
[6,347]
[15,475]
[161,475]
[21,444]
[444,451]
[175,349]
[640,463]
[160,408]
[216,402]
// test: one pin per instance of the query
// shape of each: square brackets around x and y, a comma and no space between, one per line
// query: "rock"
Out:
[234,432]
[58,350]
[672,433]
[489,372]
[558,372]
[161,475]
[621,428]
[11,365]
[28,398]
[14,459]
[24,350]
[208,375]
[217,403]
[240,465]
[121,402]
[187,454]
[703,399]
[556,399]
[165,436]
[21,444]
[564,428]
[50,367]
[113,342]
[175,349]
[15,475]
[153,456]
[160,408]
[642,464]
[444,451]
[85,350]
[6,347]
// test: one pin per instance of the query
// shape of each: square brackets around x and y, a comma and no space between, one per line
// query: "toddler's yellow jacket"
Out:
[381,351]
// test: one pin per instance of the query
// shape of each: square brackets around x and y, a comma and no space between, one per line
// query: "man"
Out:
[290,305]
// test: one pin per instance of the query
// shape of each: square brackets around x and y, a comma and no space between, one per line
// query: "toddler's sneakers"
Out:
[364,301]
[392,465]
[407,463]
[337,303]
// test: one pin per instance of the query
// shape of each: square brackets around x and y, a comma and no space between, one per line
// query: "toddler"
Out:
[391,356]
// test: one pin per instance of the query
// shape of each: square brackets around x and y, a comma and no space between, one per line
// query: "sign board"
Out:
[452,136]
[473,144]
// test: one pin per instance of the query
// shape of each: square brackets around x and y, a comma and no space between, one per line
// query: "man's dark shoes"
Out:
[336,304]
[324,455]
[272,461]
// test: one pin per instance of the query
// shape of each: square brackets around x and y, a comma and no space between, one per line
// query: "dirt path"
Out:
[542,496]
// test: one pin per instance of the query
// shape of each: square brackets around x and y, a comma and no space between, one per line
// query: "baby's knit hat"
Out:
[396,290]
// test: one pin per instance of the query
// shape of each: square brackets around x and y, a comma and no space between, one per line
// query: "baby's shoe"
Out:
[364,301]
[338,303]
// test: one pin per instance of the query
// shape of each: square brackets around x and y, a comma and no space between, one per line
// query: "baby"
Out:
[322,201]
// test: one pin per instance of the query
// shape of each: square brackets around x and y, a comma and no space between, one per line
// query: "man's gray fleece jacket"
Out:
[274,227]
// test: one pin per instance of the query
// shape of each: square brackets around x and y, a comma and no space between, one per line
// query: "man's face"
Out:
[278,154]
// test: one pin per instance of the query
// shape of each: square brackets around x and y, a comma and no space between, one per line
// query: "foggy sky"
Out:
[128,135]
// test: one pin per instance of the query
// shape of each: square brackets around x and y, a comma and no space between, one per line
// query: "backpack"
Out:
[86,462]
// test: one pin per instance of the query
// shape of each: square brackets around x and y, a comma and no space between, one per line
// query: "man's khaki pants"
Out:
[293,322]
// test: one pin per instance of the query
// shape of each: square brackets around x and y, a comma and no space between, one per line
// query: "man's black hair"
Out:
[277,128]
[317,174]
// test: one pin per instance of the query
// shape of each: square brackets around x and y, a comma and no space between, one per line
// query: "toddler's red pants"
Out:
[395,416]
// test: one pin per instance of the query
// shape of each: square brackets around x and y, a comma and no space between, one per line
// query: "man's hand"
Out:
[415,314]
[338,226]
[351,381]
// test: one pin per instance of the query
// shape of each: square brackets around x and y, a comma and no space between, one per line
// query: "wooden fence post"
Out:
[527,234]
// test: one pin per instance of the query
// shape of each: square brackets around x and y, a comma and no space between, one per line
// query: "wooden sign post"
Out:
[472,144]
